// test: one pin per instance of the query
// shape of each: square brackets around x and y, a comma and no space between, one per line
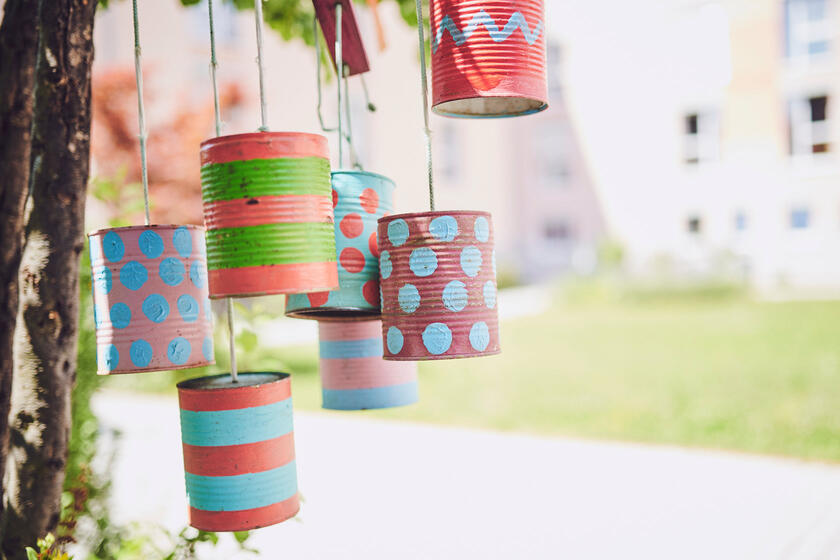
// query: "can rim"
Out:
[335,314]
[362,172]
[144,227]
[198,383]
[216,140]
[416,215]
[438,110]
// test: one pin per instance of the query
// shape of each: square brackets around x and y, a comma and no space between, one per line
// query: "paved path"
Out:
[378,490]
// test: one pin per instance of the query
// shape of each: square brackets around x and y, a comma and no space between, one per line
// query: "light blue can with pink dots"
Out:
[151,300]
[359,199]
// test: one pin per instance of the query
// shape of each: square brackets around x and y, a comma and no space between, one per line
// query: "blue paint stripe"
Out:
[242,491]
[378,397]
[364,348]
[214,428]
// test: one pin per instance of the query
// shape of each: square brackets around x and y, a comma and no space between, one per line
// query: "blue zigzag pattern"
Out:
[516,21]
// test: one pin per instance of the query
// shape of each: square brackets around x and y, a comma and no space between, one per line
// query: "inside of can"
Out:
[224,381]
[490,107]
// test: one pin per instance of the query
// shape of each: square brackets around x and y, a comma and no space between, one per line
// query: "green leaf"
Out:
[31,554]
[241,536]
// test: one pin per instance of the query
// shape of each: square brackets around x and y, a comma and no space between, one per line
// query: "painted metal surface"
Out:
[488,57]
[352,48]
[438,280]
[353,374]
[359,199]
[239,452]
[268,214]
[150,298]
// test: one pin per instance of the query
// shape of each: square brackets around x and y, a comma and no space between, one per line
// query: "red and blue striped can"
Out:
[353,374]
[239,452]
[488,57]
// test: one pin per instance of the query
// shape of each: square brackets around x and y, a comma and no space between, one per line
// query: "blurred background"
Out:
[667,236]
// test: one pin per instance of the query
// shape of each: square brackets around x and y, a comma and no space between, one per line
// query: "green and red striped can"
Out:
[268,213]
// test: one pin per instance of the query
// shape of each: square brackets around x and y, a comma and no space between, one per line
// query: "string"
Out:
[318,72]
[424,85]
[258,16]
[141,112]
[354,157]
[218,117]
[339,72]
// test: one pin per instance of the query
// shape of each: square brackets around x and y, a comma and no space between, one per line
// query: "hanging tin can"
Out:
[268,214]
[151,305]
[438,279]
[239,452]
[359,199]
[353,374]
[488,57]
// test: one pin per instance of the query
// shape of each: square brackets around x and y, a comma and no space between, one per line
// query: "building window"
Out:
[800,218]
[694,225]
[557,231]
[809,125]
[807,27]
[740,220]
[701,137]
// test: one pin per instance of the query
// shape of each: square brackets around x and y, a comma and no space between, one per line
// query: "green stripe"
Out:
[265,177]
[270,244]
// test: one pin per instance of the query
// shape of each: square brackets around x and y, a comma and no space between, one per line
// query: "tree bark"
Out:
[45,342]
[18,43]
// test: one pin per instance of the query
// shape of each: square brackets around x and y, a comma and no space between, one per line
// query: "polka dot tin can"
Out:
[239,451]
[353,374]
[150,298]
[268,214]
[438,279]
[488,58]
[359,199]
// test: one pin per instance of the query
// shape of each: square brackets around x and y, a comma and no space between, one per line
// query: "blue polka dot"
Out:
[112,246]
[409,298]
[141,353]
[178,350]
[133,275]
[182,240]
[120,315]
[197,274]
[171,271]
[471,260]
[188,308]
[156,308]
[490,294]
[99,314]
[423,261]
[385,264]
[455,296]
[444,228]
[102,280]
[437,338]
[482,229]
[207,348]
[150,244]
[94,244]
[394,340]
[110,357]
[479,336]
[208,309]
[397,232]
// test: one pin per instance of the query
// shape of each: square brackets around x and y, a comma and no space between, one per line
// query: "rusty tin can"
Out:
[488,57]
[438,279]
[359,199]
[150,298]
[353,374]
[268,214]
[239,451]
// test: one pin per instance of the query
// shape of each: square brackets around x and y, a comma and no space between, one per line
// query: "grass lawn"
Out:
[721,373]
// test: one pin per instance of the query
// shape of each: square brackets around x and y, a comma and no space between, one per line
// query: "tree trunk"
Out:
[48,313]
[18,42]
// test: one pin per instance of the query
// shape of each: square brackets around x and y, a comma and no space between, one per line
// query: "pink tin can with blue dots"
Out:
[150,298]
[359,199]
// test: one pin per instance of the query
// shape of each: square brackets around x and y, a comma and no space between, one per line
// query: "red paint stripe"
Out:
[231,460]
[260,210]
[294,278]
[365,373]
[263,145]
[353,330]
[234,397]
[245,520]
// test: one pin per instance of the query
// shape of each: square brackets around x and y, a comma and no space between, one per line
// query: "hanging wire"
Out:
[370,106]
[424,85]
[339,66]
[141,111]
[258,16]
[317,36]
[354,157]
[218,117]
